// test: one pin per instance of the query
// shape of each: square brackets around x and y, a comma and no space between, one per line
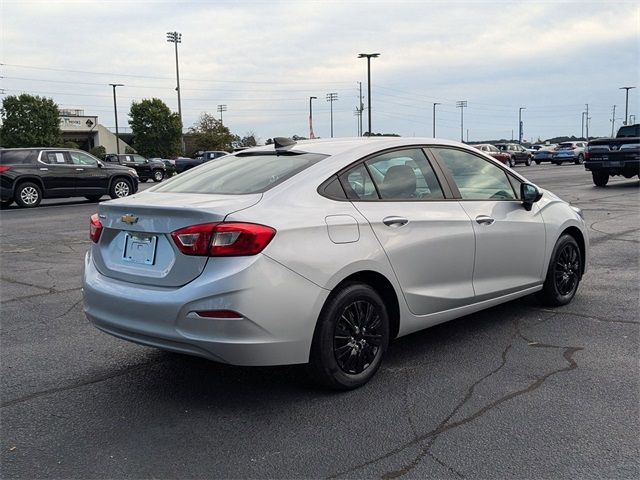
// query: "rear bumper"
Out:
[614,167]
[279,308]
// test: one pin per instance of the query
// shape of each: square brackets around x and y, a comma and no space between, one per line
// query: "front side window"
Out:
[138,159]
[241,174]
[475,177]
[79,158]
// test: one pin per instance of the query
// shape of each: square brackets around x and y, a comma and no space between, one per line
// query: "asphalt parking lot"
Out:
[516,391]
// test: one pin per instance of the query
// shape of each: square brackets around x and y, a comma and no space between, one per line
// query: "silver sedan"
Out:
[323,251]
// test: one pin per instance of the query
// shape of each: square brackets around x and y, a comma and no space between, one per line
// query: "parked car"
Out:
[544,154]
[27,175]
[323,251]
[494,152]
[517,153]
[169,166]
[606,157]
[569,152]
[184,164]
[148,169]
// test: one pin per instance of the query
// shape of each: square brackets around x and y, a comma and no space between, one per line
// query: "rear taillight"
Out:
[4,168]
[223,239]
[95,228]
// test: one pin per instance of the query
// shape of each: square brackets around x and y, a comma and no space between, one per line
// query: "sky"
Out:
[264,59]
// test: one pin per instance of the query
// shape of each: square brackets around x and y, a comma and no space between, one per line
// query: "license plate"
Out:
[140,248]
[615,164]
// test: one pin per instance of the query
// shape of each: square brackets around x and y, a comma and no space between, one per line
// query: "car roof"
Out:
[338,146]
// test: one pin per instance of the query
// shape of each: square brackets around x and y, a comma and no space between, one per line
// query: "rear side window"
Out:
[358,184]
[241,174]
[54,158]
[629,131]
[17,157]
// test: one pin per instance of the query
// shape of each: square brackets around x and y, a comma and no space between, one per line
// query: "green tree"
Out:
[98,151]
[210,134]
[157,132]
[29,121]
[249,140]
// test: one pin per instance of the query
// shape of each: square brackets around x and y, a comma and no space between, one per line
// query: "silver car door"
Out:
[510,241]
[429,240]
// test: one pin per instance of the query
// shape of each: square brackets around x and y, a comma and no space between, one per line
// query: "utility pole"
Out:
[467,135]
[461,105]
[176,38]
[361,108]
[358,114]
[582,121]
[369,56]
[626,102]
[332,97]
[221,108]
[613,120]
[115,114]
[311,135]
[434,118]
[520,124]
[587,121]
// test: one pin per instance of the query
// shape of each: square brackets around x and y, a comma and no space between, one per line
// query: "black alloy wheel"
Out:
[357,337]
[564,273]
[350,339]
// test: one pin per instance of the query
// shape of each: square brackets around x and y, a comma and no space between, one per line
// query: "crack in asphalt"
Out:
[589,317]
[80,384]
[610,236]
[446,425]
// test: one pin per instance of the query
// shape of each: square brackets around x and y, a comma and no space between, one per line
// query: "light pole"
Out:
[520,124]
[369,56]
[434,118]
[221,108]
[626,103]
[461,105]
[176,38]
[311,135]
[332,97]
[115,114]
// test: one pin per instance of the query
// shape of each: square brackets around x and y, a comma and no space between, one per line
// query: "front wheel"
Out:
[564,273]
[120,188]
[538,162]
[579,160]
[528,161]
[600,178]
[158,175]
[512,162]
[350,339]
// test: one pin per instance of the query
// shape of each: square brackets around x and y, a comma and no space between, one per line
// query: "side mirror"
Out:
[100,165]
[146,160]
[529,194]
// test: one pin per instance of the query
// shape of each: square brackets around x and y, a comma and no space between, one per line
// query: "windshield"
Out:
[629,131]
[241,174]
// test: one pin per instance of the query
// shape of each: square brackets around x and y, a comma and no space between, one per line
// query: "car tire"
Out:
[28,195]
[528,161]
[158,175]
[600,178]
[579,160]
[344,355]
[564,273]
[538,162]
[512,162]
[93,198]
[6,203]
[557,163]
[120,188]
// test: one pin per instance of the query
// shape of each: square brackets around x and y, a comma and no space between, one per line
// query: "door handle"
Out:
[79,169]
[395,221]
[484,220]
[44,169]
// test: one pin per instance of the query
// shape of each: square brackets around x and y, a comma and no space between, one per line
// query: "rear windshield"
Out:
[629,131]
[241,174]
[16,157]
[565,145]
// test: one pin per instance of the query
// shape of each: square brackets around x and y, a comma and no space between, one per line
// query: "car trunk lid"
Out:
[136,244]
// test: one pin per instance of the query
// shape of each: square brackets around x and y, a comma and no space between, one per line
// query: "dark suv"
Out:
[147,169]
[517,153]
[27,175]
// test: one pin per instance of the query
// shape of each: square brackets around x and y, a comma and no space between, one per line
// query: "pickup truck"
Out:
[184,164]
[147,169]
[606,157]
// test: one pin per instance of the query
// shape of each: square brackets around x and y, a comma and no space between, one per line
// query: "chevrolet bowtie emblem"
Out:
[130,219]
